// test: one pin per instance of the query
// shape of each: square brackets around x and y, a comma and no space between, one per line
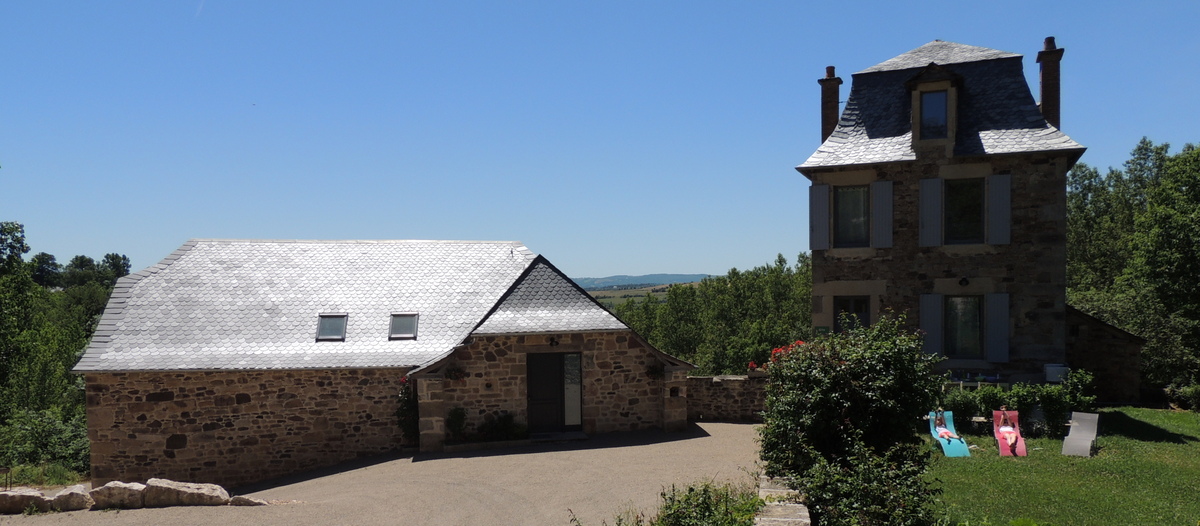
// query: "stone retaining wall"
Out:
[237,427]
[729,398]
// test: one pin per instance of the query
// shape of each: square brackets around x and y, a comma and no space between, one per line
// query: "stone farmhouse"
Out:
[940,192]
[233,362]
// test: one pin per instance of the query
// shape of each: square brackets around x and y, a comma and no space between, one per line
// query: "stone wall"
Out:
[1109,353]
[625,384]
[729,398]
[237,427]
[1031,269]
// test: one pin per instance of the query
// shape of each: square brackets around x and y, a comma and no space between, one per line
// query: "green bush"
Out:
[1187,397]
[840,417]
[52,474]
[45,437]
[1056,402]
[701,504]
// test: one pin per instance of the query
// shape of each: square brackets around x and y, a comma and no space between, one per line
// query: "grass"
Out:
[1145,471]
[617,297]
[42,475]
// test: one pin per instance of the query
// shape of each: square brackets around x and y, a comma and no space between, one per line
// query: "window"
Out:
[964,210]
[331,327]
[851,216]
[934,115]
[964,326]
[403,326]
[858,307]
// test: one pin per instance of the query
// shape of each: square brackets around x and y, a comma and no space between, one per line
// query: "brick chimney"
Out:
[1050,104]
[830,92]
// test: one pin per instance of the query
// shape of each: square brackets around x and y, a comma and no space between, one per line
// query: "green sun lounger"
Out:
[952,447]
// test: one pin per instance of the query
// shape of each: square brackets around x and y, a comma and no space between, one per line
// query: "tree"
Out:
[80,270]
[45,270]
[12,246]
[113,267]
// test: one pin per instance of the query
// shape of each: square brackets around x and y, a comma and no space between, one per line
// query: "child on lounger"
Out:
[939,425]
[1006,429]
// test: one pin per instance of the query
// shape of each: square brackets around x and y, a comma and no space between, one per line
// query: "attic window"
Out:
[331,327]
[403,326]
[934,115]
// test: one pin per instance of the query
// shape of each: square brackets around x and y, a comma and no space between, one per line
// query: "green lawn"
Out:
[1146,471]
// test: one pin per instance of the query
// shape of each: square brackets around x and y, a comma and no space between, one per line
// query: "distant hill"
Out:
[627,282]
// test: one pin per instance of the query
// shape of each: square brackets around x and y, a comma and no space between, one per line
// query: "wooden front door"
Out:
[555,386]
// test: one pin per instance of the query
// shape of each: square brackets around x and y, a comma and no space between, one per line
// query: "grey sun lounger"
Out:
[1083,432]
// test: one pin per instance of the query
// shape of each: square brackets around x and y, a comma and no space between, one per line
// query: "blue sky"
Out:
[612,137]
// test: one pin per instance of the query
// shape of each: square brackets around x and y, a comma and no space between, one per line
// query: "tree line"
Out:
[1133,255]
[48,312]
[723,323]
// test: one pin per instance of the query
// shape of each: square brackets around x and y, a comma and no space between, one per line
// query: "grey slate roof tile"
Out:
[230,304]
[996,111]
[547,301]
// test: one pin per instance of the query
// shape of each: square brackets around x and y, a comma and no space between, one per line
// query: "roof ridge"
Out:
[941,52]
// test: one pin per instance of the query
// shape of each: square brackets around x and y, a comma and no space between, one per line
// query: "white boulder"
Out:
[161,493]
[118,494]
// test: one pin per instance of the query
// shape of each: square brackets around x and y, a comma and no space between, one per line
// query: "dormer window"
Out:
[403,326]
[331,327]
[934,107]
[934,115]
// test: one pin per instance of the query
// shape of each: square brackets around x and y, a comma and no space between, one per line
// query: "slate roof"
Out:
[547,301]
[996,111]
[245,304]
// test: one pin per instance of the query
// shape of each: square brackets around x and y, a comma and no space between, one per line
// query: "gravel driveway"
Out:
[526,485]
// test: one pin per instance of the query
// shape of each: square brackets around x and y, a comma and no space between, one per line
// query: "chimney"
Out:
[1050,104]
[830,92]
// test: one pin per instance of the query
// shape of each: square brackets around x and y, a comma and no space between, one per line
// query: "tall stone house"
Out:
[940,192]
[236,361]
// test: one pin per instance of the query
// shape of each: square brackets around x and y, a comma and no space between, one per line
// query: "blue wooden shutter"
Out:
[818,217]
[999,209]
[995,332]
[881,214]
[932,318]
[930,203]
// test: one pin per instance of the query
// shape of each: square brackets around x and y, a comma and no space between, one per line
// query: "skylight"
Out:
[403,326]
[331,327]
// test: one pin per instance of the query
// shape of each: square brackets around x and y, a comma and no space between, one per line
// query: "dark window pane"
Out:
[933,115]
[964,211]
[858,307]
[851,216]
[331,328]
[403,326]
[964,326]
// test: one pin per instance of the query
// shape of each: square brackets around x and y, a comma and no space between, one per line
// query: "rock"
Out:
[20,499]
[117,494]
[72,498]
[161,493]
[246,501]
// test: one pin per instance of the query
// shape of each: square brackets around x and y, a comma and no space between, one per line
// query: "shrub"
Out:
[841,412]
[1189,396]
[45,437]
[701,504]
[1056,402]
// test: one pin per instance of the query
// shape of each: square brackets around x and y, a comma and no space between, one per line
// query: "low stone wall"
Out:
[237,427]
[729,398]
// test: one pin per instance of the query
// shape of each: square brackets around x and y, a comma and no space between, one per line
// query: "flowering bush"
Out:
[840,418]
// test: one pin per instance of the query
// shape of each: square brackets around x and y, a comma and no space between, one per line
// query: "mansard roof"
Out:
[996,110]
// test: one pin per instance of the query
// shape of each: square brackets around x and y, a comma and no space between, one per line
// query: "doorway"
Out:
[555,392]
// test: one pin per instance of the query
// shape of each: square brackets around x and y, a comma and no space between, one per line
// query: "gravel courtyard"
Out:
[526,485]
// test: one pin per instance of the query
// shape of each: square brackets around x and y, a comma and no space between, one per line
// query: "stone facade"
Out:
[237,427]
[1031,269]
[625,385]
[728,398]
[1109,353]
